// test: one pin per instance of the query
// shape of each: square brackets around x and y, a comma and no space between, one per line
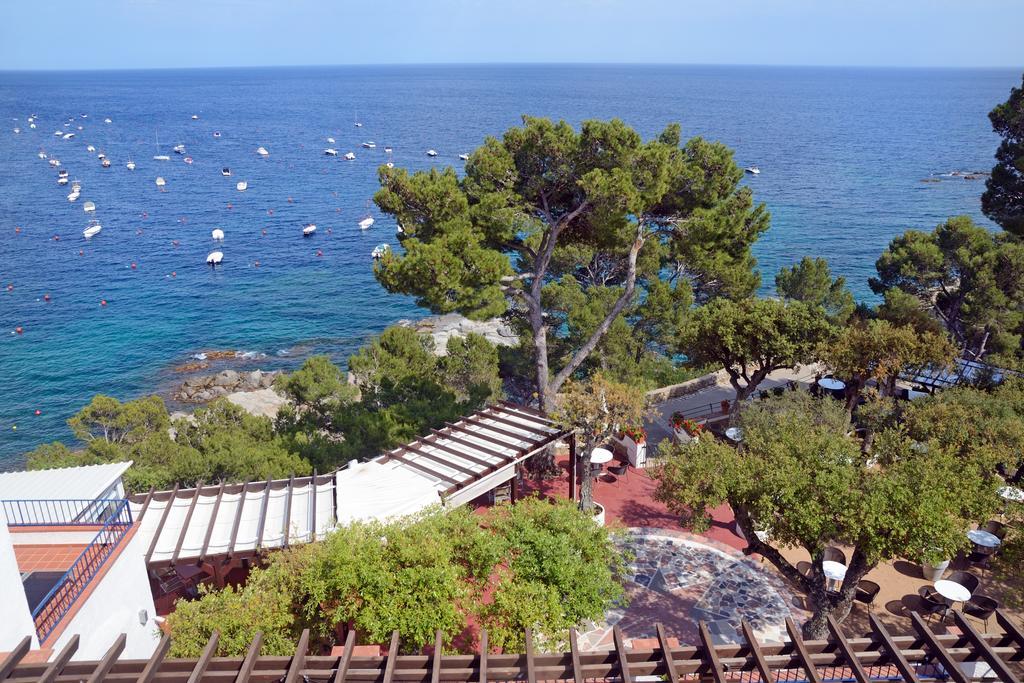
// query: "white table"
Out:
[983,538]
[831,384]
[1012,494]
[953,591]
[734,434]
[600,456]
[835,572]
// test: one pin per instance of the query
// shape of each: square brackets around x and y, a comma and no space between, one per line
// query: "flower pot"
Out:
[934,571]
[636,452]
[598,513]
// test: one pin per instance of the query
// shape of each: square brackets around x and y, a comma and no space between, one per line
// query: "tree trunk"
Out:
[586,481]
[838,605]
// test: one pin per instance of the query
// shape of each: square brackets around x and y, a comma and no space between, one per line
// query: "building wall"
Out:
[113,607]
[15,617]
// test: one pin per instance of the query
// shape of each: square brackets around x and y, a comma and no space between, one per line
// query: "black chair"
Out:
[834,554]
[981,607]
[997,529]
[620,470]
[965,579]
[981,558]
[867,591]
[933,603]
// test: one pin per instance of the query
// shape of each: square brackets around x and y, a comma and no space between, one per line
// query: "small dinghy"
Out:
[105,163]
[107,121]
[73,195]
[216,133]
[89,207]
[217,234]
[42,154]
[464,157]
[350,156]
[130,165]
[195,117]
[214,258]
[431,152]
[388,149]
[380,250]
[308,230]
[753,170]
[331,152]
[370,145]
[90,148]
[226,172]
[179,149]
[262,151]
[54,162]
[93,230]
[366,223]
[62,173]
[241,186]
[63,180]
[160,182]
[188,160]
[330,140]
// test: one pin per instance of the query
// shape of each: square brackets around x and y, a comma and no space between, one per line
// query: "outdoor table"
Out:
[734,434]
[831,384]
[983,538]
[835,572]
[952,591]
[1012,494]
[600,456]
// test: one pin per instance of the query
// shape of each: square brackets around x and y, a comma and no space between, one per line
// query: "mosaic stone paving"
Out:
[679,579]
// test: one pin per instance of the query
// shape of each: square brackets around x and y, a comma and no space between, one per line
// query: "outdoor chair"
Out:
[619,470]
[779,391]
[834,554]
[981,558]
[867,591]
[965,579]
[763,394]
[997,529]
[804,568]
[981,607]
[932,602]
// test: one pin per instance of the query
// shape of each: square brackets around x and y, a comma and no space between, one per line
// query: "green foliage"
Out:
[800,477]
[810,281]
[117,422]
[969,279]
[597,212]
[1003,200]
[754,337]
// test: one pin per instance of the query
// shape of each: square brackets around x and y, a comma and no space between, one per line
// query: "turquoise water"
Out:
[842,154]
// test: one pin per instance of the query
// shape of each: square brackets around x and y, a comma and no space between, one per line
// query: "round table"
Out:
[983,538]
[953,591]
[831,384]
[1011,493]
[600,456]
[734,434]
[835,572]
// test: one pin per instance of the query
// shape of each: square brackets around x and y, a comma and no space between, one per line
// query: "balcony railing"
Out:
[113,516]
[23,513]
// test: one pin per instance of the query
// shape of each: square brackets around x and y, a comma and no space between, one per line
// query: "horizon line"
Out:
[503,63]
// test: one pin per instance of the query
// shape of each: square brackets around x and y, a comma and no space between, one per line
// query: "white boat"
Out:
[262,151]
[58,133]
[54,162]
[93,230]
[195,117]
[17,130]
[160,182]
[308,230]
[388,150]
[101,155]
[68,136]
[31,125]
[89,207]
[76,185]
[105,163]
[73,195]
[366,223]
[107,121]
[62,173]
[42,154]
[63,180]
[161,157]
[216,133]
[754,170]
[188,160]
[241,185]
[214,258]
[390,164]
[226,172]
[380,250]
[31,119]
[370,145]
[464,157]
[90,148]
[331,152]
[179,149]
[217,234]
[330,140]
[350,156]
[431,153]
[130,165]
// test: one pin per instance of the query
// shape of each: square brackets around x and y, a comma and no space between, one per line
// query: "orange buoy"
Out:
[56,238]
[319,253]
[17,231]
[46,297]
[229,205]
[103,302]
[18,330]
[39,412]
[174,273]
[133,265]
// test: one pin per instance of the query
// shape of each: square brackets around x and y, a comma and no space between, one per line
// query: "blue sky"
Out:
[103,34]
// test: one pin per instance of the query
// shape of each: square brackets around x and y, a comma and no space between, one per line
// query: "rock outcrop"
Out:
[204,388]
[444,327]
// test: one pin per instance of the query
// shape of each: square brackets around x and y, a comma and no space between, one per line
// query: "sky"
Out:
[119,34]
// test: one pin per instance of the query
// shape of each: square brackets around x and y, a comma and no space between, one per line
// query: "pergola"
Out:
[878,656]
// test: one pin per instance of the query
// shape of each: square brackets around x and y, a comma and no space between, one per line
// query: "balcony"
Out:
[61,546]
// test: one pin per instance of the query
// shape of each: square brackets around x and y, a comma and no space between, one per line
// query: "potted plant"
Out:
[634,440]
[933,566]
[686,430]
[598,513]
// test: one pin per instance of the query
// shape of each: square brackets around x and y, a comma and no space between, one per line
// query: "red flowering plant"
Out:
[636,433]
[691,427]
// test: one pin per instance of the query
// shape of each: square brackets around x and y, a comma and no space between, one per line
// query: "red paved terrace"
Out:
[47,557]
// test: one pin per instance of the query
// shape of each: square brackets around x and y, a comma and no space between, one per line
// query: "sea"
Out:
[848,158]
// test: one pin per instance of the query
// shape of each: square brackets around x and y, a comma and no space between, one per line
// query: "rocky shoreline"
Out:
[205,388]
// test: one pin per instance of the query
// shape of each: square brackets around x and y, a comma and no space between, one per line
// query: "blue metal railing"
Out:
[117,520]
[21,513]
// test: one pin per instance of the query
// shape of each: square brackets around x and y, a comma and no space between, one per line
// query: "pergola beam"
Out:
[264,504]
[849,655]
[755,651]
[711,654]
[288,511]
[108,661]
[948,663]
[184,525]
[211,524]
[57,666]
[153,665]
[894,653]
[621,655]
[984,649]
[160,525]
[801,651]
[346,658]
